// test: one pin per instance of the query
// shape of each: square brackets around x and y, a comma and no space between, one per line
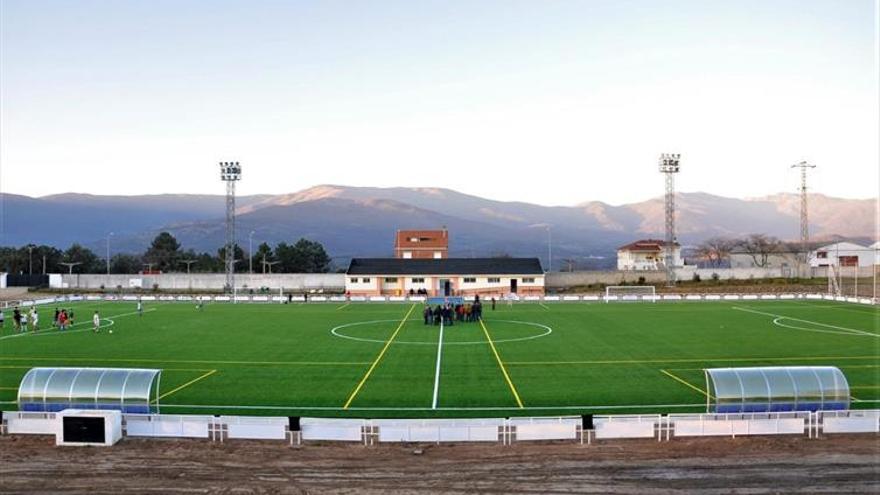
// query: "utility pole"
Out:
[230,173]
[108,253]
[669,166]
[269,264]
[549,249]
[31,259]
[188,264]
[805,224]
[251,252]
[70,266]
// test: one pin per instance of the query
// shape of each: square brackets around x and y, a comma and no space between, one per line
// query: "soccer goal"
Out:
[630,293]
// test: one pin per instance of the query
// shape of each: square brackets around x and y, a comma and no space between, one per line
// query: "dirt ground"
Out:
[840,464]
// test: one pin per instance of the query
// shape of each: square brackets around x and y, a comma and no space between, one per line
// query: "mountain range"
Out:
[361,221]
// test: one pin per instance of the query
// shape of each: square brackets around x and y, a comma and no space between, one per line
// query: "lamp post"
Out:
[31,259]
[549,249]
[70,266]
[108,253]
[251,252]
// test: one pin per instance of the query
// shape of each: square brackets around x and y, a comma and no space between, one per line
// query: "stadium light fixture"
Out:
[70,266]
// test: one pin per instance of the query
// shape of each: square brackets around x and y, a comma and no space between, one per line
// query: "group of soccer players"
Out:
[23,321]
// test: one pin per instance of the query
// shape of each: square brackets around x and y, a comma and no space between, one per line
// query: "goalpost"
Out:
[630,293]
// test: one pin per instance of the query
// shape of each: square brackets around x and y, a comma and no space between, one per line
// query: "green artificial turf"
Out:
[562,358]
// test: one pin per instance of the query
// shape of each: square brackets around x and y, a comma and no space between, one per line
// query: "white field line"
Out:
[851,331]
[544,306]
[778,322]
[55,331]
[437,371]
[427,409]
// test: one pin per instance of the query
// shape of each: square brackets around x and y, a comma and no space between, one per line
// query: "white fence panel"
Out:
[551,298]
[709,425]
[167,425]
[256,428]
[590,298]
[531,298]
[768,296]
[693,297]
[473,430]
[377,298]
[786,296]
[396,298]
[814,296]
[260,299]
[865,421]
[30,423]
[545,428]
[222,298]
[625,426]
[731,297]
[337,430]
[749,297]
[712,297]
[671,297]
[571,298]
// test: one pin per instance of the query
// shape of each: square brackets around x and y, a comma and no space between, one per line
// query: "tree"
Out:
[164,253]
[303,257]
[715,250]
[759,247]
[263,253]
[126,263]
[88,260]
[238,257]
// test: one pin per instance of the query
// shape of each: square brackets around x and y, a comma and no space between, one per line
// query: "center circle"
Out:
[336,332]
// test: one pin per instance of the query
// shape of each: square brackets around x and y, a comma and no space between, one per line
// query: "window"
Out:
[437,255]
[418,280]
[469,280]
[365,280]
[413,239]
[390,280]
[494,280]
[822,255]
[528,280]
[407,255]
[353,280]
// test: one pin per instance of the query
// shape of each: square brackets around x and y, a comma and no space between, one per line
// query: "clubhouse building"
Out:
[487,277]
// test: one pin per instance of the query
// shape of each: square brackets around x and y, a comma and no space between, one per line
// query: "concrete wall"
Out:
[211,281]
[558,280]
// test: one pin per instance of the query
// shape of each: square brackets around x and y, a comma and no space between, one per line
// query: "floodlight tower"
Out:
[230,173]
[669,165]
[805,225]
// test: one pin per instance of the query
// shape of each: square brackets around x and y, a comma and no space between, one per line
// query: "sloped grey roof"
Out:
[447,266]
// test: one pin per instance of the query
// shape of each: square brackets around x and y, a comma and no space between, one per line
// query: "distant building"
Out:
[486,277]
[646,254]
[785,259]
[842,254]
[421,244]
[876,248]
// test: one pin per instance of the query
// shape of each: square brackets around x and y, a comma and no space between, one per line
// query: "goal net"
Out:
[630,293]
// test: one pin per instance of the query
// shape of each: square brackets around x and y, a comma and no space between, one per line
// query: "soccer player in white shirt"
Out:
[96,322]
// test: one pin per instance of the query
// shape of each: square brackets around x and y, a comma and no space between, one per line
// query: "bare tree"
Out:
[760,247]
[715,250]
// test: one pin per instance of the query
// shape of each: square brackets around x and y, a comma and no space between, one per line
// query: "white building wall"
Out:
[834,251]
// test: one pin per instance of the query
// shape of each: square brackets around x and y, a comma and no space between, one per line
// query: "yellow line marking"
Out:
[378,358]
[694,387]
[501,364]
[187,384]
[846,366]
[865,386]
[8,388]
[702,360]
[343,306]
[134,360]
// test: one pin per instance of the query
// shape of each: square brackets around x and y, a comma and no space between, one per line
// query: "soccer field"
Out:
[380,360]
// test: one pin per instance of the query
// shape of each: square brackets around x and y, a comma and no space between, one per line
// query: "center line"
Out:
[437,372]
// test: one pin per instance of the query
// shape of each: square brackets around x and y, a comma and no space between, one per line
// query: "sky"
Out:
[551,102]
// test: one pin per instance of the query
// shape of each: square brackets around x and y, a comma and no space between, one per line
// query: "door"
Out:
[513,286]
[447,288]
